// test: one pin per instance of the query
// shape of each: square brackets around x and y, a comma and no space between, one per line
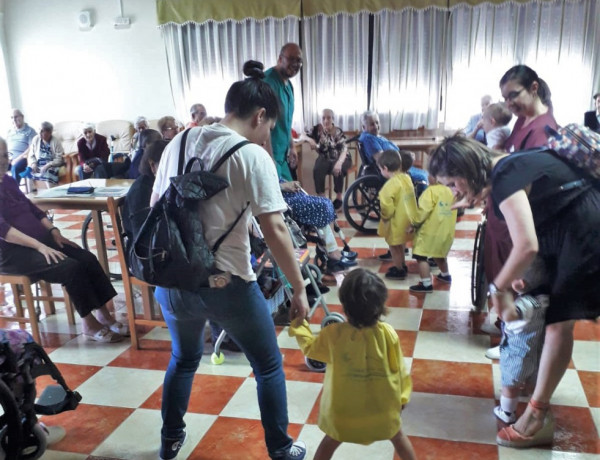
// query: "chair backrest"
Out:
[68,132]
[119,132]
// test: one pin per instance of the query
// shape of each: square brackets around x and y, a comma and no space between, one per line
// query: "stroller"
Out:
[21,362]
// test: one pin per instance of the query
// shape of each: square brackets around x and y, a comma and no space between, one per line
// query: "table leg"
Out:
[100,241]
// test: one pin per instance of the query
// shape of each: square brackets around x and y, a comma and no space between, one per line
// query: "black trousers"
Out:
[80,273]
[324,167]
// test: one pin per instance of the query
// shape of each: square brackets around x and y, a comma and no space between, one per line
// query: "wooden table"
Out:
[419,145]
[57,198]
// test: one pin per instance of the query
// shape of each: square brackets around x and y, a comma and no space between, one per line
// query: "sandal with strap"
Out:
[509,437]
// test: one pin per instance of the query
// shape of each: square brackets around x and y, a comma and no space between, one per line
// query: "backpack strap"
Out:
[182,152]
[222,160]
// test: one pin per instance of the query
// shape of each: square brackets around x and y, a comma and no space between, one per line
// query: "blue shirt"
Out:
[18,140]
[372,144]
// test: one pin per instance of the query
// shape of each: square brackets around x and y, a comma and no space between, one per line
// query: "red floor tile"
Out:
[438,449]
[74,375]
[575,430]
[459,322]
[591,386]
[51,340]
[69,218]
[87,426]
[407,342]
[313,417]
[404,298]
[587,330]
[235,439]
[319,313]
[295,367]
[453,378]
[210,394]
[154,356]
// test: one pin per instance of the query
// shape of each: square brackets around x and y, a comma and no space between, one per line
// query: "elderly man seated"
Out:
[374,143]
[18,139]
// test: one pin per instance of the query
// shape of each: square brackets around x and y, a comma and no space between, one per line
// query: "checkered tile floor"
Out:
[449,416]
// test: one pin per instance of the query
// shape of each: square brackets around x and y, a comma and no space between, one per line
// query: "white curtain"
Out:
[407,67]
[5,102]
[205,59]
[335,74]
[559,40]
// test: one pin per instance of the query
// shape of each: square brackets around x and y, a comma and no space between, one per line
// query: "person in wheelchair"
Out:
[317,212]
[373,144]
[398,207]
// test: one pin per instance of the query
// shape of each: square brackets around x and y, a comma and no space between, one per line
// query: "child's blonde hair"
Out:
[499,113]
[363,295]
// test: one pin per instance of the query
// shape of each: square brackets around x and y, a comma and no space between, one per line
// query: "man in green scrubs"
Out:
[282,149]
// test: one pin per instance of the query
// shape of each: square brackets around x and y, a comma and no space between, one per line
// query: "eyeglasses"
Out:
[16,116]
[88,131]
[293,60]
[513,95]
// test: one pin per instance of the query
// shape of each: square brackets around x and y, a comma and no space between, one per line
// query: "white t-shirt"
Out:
[497,136]
[252,177]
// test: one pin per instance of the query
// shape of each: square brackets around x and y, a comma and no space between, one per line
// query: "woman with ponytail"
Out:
[237,305]
[529,98]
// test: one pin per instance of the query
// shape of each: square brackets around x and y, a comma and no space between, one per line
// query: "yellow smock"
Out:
[436,222]
[398,209]
[366,383]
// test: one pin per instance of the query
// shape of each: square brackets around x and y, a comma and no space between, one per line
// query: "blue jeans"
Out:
[240,308]
[17,168]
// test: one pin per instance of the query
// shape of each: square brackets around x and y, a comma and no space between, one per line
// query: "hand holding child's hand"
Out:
[299,307]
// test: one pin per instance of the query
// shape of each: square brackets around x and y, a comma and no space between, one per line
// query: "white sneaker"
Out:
[506,417]
[493,353]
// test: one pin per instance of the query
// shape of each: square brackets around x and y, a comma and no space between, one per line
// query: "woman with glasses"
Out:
[93,151]
[46,155]
[168,127]
[528,97]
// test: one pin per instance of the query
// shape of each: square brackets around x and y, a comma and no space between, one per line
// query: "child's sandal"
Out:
[509,437]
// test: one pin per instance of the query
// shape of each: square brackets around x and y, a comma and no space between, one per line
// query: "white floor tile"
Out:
[120,386]
[586,356]
[462,244]
[158,333]
[368,242]
[82,351]
[235,365]
[451,347]
[285,341]
[57,455]
[139,436]
[596,416]
[505,453]
[442,300]
[456,418]
[467,225]
[405,319]
[301,399]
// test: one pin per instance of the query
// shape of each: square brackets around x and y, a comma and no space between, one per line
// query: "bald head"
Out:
[289,62]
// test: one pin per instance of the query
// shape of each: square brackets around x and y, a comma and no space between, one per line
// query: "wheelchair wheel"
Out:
[34,444]
[478,280]
[332,318]
[314,365]
[87,237]
[361,203]
[11,434]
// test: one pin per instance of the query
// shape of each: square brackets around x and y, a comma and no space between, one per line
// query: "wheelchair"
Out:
[361,201]
[478,279]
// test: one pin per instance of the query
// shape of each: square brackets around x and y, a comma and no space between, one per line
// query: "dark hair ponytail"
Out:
[526,76]
[245,96]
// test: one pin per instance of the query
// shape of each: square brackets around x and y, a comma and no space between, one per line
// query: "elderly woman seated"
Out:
[30,245]
[93,151]
[45,156]
[168,127]
[141,124]
[330,143]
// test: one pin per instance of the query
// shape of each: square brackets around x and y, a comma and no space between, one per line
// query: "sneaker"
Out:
[386,256]
[396,273]
[493,353]
[421,288]
[296,452]
[444,279]
[350,255]
[506,417]
[337,204]
[169,448]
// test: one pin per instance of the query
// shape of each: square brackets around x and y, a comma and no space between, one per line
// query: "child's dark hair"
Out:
[407,159]
[245,96]
[390,159]
[153,152]
[363,295]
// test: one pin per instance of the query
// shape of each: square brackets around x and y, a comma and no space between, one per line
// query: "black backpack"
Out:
[170,250]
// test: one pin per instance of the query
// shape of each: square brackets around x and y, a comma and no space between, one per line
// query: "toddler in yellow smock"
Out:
[366,383]
[398,207]
[434,223]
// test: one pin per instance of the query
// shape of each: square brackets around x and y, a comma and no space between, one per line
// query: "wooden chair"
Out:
[21,288]
[149,316]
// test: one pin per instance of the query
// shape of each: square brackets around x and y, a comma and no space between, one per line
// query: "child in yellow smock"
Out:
[398,207]
[434,223]
[366,383]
